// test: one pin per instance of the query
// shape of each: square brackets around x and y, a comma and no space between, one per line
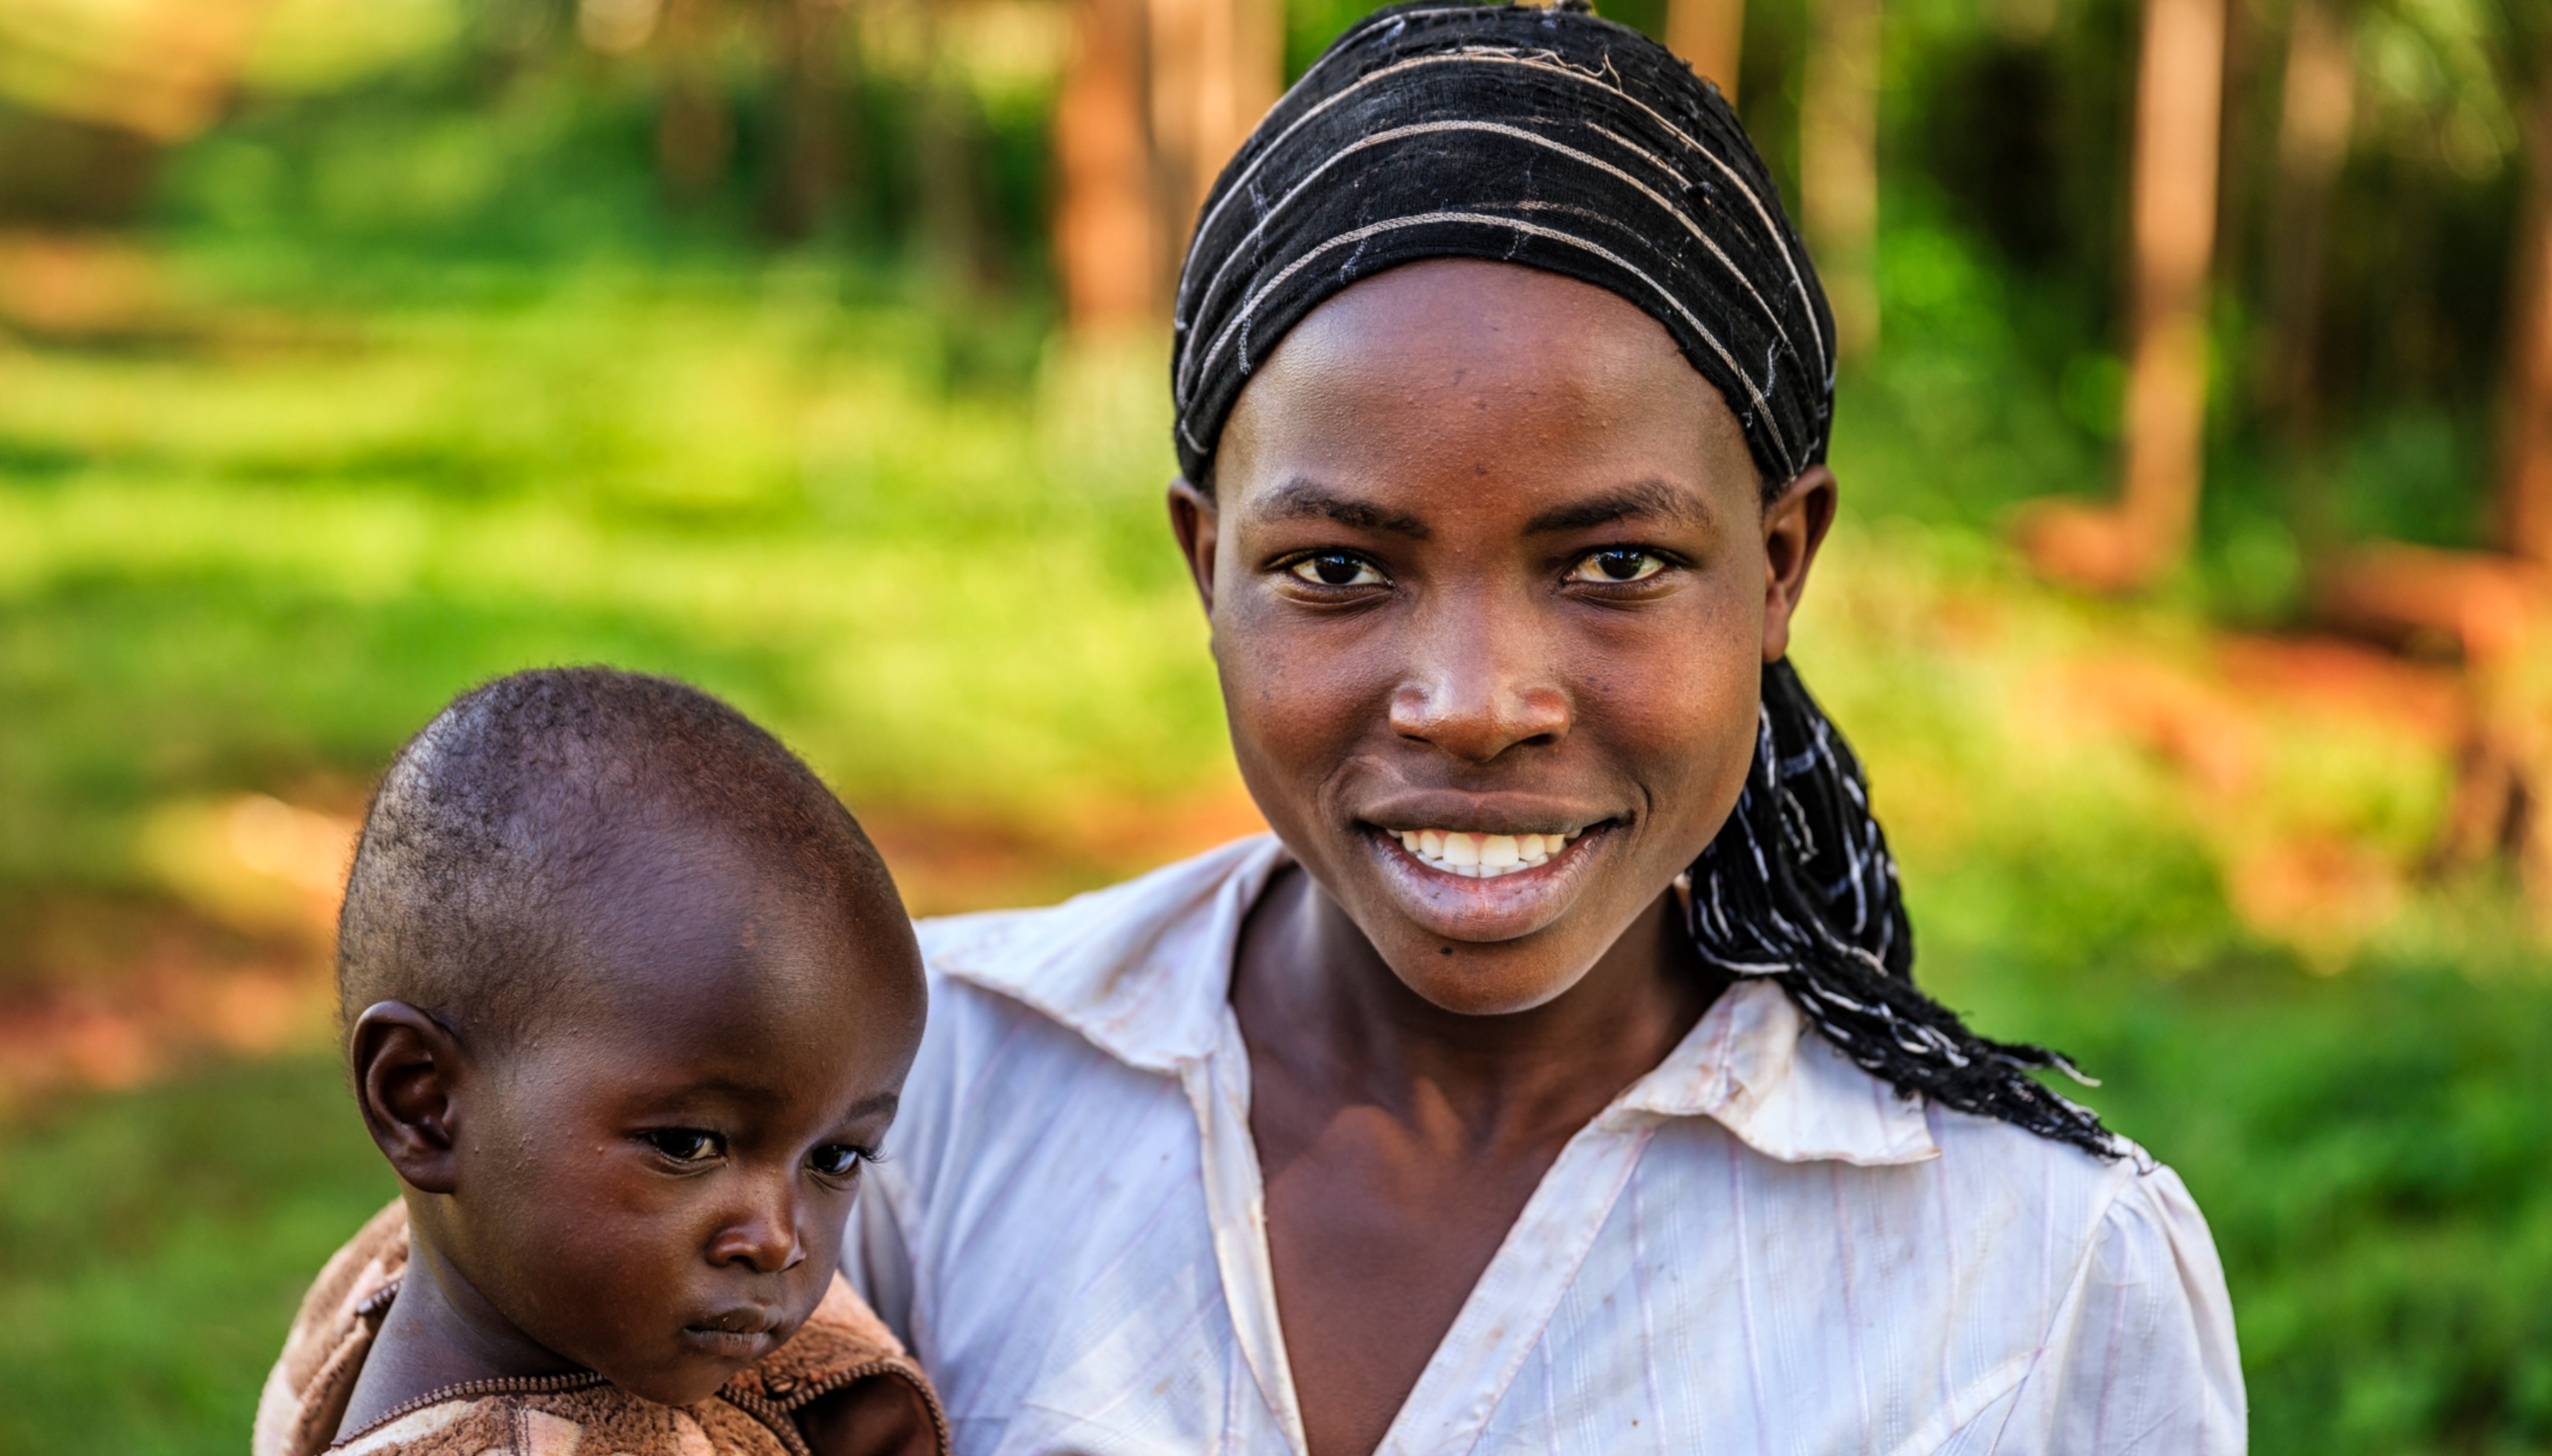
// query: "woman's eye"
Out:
[837,1160]
[1616,565]
[1336,569]
[685,1144]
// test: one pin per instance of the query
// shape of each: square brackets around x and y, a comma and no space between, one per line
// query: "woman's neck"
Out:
[1354,1024]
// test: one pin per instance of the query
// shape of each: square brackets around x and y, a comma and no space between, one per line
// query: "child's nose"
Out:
[762,1238]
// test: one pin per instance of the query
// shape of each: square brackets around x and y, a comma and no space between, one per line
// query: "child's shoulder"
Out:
[842,1344]
[305,1392]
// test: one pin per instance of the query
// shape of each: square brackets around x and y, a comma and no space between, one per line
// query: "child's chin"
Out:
[693,1377]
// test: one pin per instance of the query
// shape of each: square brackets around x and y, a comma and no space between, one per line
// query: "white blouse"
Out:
[1756,1248]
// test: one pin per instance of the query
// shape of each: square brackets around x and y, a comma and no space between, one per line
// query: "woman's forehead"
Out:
[1475,315]
[1482,376]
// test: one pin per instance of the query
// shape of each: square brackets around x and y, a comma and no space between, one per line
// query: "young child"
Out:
[629,1000]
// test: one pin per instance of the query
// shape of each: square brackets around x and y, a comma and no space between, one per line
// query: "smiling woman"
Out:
[1554,1078]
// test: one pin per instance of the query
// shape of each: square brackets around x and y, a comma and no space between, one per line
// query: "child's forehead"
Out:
[694,947]
[708,1018]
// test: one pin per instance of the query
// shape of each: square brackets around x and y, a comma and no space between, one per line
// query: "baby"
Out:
[629,998]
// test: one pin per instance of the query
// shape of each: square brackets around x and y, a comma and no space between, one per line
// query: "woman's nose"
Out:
[763,1236]
[1481,690]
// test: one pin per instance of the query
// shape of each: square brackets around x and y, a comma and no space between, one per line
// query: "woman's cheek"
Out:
[1683,724]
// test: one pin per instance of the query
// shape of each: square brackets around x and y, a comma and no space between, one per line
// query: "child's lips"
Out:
[746,1330]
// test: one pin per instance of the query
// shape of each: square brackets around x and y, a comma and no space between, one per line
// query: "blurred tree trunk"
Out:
[2178,100]
[1103,244]
[2239,152]
[809,34]
[952,182]
[1711,35]
[2315,111]
[1839,164]
[2179,107]
[694,136]
[1157,98]
[1217,66]
[2495,607]
[2316,104]
[2525,444]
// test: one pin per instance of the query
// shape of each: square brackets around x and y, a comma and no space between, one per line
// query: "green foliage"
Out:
[913,548]
[152,1247]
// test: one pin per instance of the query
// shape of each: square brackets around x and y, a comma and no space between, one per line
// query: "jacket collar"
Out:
[1143,970]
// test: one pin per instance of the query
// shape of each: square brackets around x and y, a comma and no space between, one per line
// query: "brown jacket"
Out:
[578,1415]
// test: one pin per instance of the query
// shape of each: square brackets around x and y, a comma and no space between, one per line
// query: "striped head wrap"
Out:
[1541,137]
[1554,140]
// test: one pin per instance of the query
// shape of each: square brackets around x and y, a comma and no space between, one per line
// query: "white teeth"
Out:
[1482,856]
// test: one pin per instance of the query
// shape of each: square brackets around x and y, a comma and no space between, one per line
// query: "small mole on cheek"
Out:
[1444,950]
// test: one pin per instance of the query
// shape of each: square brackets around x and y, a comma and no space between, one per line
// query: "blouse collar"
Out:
[1122,967]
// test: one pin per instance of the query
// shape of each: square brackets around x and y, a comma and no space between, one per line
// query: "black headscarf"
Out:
[1551,139]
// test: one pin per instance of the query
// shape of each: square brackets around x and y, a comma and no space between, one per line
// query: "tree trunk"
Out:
[1708,34]
[1104,240]
[2525,444]
[1216,66]
[1839,166]
[2179,102]
[2316,103]
[694,137]
[2314,111]
[810,34]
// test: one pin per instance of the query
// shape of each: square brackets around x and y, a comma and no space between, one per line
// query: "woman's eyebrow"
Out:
[1645,498]
[1308,501]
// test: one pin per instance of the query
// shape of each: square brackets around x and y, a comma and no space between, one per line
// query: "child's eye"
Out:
[685,1144]
[1335,569]
[837,1160]
[1615,566]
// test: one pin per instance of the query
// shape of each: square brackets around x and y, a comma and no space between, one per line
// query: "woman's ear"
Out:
[408,1073]
[1794,526]
[1192,520]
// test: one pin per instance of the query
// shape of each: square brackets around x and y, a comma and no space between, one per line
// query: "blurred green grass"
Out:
[226,566]
[252,554]
[152,1247]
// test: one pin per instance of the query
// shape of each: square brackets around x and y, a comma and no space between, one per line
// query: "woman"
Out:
[1554,1079]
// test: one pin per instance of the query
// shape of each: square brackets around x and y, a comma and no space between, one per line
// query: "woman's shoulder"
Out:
[1008,945]
[2124,1221]
[1138,970]
[2115,1261]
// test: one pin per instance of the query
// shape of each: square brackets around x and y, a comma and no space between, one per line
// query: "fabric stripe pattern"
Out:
[1541,136]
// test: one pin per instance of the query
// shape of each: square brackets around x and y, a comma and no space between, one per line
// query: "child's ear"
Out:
[407,1081]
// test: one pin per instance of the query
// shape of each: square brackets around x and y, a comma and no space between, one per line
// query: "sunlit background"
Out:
[2196,432]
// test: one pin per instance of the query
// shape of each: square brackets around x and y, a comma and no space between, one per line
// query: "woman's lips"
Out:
[1510,901]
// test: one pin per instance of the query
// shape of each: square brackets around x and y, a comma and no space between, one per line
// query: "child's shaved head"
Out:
[629,1001]
[505,837]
